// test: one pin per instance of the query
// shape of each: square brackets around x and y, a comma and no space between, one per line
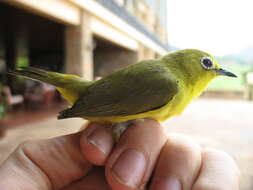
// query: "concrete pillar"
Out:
[110,59]
[248,92]
[145,53]
[141,52]
[79,48]
[151,54]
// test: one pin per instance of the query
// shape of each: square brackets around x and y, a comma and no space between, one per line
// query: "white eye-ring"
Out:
[206,62]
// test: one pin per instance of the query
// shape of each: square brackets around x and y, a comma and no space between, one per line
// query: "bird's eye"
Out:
[207,62]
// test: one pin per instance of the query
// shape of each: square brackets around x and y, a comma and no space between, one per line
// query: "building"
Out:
[85,37]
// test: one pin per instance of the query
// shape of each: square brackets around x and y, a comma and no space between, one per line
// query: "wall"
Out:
[107,60]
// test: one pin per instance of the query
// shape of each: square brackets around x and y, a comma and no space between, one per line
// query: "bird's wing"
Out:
[136,89]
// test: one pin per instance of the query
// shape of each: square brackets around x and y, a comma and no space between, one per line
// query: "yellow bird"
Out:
[155,89]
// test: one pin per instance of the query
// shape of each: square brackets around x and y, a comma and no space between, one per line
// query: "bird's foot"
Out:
[119,128]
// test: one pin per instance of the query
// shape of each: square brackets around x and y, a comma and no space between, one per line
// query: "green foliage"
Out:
[3,105]
[20,81]
[2,111]
[22,62]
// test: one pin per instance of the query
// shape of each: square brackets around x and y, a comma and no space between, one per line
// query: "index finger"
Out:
[131,162]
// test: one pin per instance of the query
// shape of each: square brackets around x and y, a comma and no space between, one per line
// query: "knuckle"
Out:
[28,146]
[183,144]
[20,152]
[221,156]
[211,152]
[25,145]
[217,155]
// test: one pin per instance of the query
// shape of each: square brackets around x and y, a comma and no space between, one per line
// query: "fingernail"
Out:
[165,183]
[130,167]
[101,139]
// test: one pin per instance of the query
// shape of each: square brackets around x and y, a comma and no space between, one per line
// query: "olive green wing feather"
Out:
[138,88]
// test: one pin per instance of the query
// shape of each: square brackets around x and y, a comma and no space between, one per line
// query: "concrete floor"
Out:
[223,124]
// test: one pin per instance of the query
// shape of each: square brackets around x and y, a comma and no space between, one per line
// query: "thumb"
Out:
[44,164]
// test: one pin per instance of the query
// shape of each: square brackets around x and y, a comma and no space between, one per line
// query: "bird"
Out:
[157,89]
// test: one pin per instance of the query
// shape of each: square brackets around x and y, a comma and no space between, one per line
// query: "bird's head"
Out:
[195,65]
[196,68]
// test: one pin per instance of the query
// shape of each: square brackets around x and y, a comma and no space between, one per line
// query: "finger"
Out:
[94,180]
[218,172]
[132,161]
[178,164]
[44,164]
[96,143]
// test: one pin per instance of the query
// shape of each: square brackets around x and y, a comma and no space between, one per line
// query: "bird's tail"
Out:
[53,78]
[66,83]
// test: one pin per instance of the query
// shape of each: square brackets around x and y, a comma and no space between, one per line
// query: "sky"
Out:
[219,27]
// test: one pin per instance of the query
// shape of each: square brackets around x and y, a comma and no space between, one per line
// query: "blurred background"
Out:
[92,38]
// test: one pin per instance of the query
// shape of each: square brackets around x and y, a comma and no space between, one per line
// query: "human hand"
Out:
[69,162]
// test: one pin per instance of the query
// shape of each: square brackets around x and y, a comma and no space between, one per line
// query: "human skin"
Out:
[91,160]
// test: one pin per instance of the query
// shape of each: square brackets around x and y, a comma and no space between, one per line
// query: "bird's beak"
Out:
[223,72]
